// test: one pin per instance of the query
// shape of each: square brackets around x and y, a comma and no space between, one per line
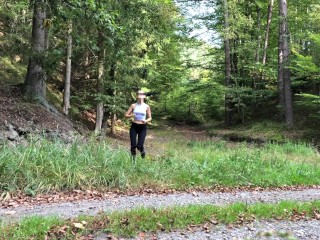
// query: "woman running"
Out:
[141,113]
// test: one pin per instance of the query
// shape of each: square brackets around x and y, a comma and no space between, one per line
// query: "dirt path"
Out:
[157,138]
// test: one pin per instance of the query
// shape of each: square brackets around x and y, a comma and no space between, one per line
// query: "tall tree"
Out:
[284,81]
[227,64]
[259,35]
[100,81]
[67,81]
[35,81]
[266,38]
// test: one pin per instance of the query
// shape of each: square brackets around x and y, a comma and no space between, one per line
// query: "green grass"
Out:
[257,131]
[29,227]
[11,72]
[45,166]
[130,223]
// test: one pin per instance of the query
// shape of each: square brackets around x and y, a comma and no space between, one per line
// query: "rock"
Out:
[23,131]
[12,135]
[52,135]
[10,126]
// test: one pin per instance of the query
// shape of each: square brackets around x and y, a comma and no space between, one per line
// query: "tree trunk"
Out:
[257,57]
[113,123]
[266,39]
[284,81]
[114,92]
[259,35]
[34,85]
[317,89]
[99,117]
[100,85]
[227,65]
[67,82]
[234,58]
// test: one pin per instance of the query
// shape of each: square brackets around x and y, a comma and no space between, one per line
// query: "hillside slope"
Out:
[19,118]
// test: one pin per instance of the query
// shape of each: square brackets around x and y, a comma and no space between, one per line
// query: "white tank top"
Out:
[140,111]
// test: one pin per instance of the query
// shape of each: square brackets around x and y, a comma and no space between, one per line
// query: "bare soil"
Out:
[19,117]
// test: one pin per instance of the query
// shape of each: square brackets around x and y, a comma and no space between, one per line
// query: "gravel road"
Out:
[302,230]
[264,230]
[92,207]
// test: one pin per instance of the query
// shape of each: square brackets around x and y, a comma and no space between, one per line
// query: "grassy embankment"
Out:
[177,164]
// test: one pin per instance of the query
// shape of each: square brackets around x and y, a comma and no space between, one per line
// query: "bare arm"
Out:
[149,117]
[129,113]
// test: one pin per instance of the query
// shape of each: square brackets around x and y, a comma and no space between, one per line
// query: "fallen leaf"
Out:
[13,204]
[125,221]
[195,194]
[214,221]
[78,225]
[84,222]
[141,235]
[160,226]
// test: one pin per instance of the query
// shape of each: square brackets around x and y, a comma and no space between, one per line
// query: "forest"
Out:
[260,60]
[234,88]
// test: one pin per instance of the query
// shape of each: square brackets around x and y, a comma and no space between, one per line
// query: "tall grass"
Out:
[44,166]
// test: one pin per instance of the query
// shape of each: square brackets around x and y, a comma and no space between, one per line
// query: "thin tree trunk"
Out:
[227,64]
[234,58]
[99,117]
[67,82]
[113,123]
[257,57]
[100,105]
[104,125]
[114,92]
[266,39]
[86,59]
[280,66]
[34,85]
[284,81]
[114,115]
[259,35]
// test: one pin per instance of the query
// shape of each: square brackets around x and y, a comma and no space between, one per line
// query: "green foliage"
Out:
[304,65]
[11,70]
[140,45]
[146,45]
[194,102]
[14,40]
[308,106]
[254,85]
